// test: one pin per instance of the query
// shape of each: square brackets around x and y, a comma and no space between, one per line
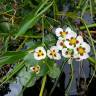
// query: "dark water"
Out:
[78,86]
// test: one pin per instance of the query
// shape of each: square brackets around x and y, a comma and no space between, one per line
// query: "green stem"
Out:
[22,44]
[70,82]
[55,9]
[89,26]
[91,9]
[43,30]
[43,85]
[79,4]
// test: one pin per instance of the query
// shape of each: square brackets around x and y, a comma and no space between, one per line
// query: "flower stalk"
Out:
[70,81]
[43,85]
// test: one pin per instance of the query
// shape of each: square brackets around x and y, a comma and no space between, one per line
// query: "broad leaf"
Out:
[54,72]
[24,76]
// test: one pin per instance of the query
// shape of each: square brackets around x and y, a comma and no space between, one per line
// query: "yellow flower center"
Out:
[40,53]
[63,33]
[81,50]
[53,53]
[36,69]
[73,41]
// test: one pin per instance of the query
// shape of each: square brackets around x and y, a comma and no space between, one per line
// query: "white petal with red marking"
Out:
[57,31]
[64,51]
[85,56]
[80,39]
[86,46]
[60,44]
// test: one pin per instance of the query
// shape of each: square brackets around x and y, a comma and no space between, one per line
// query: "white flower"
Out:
[72,40]
[35,69]
[39,53]
[67,53]
[82,51]
[53,53]
[60,43]
[61,33]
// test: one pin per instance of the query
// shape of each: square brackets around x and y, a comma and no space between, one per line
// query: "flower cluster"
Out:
[69,44]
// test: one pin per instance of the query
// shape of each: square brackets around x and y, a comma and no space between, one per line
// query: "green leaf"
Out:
[30,60]
[33,44]
[4,27]
[32,19]
[41,6]
[85,6]
[50,40]
[43,68]
[54,72]
[1,1]
[24,76]
[11,57]
[92,60]
[16,69]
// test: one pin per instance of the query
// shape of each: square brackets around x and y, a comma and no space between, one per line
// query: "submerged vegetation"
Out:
[39,37]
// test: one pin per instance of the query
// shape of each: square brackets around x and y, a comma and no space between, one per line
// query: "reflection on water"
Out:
[79,72]
[15,88]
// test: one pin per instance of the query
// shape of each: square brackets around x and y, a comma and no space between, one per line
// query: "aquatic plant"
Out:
[37,34]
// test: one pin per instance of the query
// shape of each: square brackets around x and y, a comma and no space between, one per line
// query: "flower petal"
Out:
[61,38]
[53,53]
[48,54]
[75,54]
[85,56]
[64,51]
[36,56]
[58,56]
[80,39]
[32,69]
[60,44]
[68,29]
[39,48]
[71,35]
[86,46]
[54,48]
[57,31]
[37,51]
